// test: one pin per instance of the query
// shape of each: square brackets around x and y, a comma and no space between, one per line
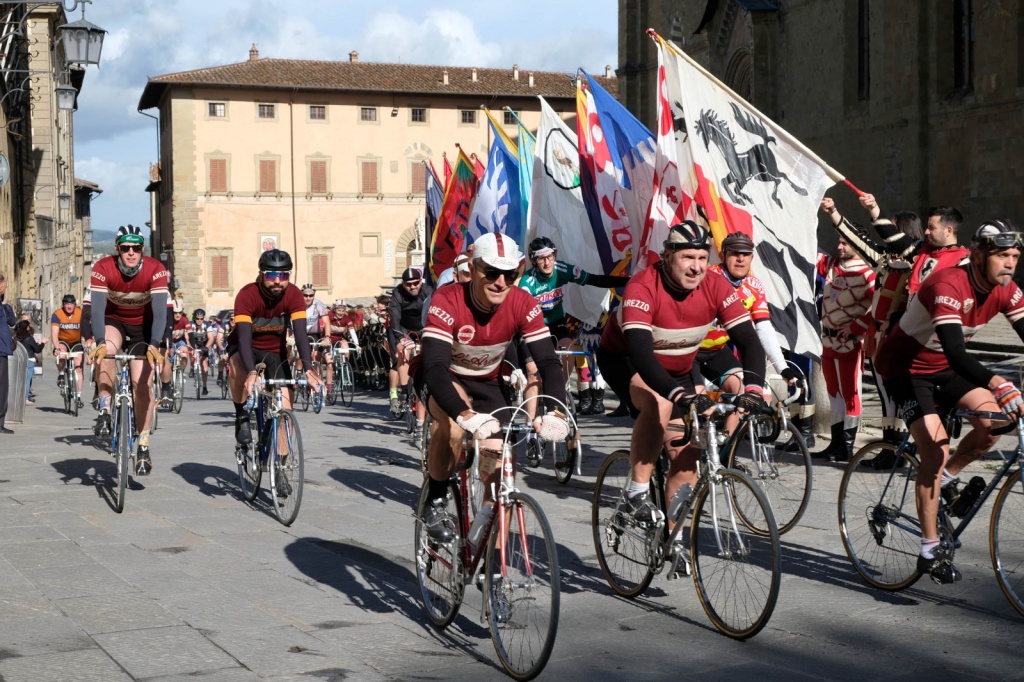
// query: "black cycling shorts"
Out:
[715,365]
[277,364]
[485,396]
[916,395]
[618,371]
[134,337]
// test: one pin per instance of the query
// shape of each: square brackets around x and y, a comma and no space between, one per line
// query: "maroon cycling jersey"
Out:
[950,296]
[931,259]
[270,319]
[128,299]
[479,339]
[678,323]
[340,324]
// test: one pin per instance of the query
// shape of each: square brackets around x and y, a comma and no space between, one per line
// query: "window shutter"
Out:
[419,178]
[318,177]
[268,176]
[218,175]
[369,177]
[219,272]
[320,270]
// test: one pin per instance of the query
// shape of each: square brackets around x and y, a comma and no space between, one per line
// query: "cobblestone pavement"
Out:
[190,582]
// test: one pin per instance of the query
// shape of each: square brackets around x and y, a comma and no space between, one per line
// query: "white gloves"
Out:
[553,427]
[482,425]
[517,379]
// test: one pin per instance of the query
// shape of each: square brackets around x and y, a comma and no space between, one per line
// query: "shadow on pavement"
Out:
[100,474]
[377,486]
[382,455]
[99,444]
[210,480]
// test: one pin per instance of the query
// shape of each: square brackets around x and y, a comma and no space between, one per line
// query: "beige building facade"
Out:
[321,159]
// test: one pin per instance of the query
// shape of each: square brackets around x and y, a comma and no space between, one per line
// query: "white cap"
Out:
[497,250]
[178,308]
[339,303]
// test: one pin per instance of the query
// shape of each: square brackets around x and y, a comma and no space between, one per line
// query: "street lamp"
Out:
[66,97]
[83,40]
[64,201]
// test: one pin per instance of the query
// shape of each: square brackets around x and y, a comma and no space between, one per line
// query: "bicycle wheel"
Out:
[249,470]
[198,381]
[522,588]
[287,471]
[123,451]
[878,519]
[179,389]
[563,459]
[439,568]
[735,570]
[66,391]
[332,395]
[224,385]
[348,385]
[72,388]
[302,394]
[1006,540]
[410,414]
[785,477]
[425,442]
[623,549]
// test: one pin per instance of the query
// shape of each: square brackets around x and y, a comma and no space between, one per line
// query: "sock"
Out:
[144,439]
[927,546]
[240,412]
[419,423]
[393,393]
[437,490]
[635,488]
[166,385]
[947,478]
[105,403]
[531,435]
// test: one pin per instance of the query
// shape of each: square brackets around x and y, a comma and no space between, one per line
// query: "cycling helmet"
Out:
[687,235]
[68,298]
[275,259]
[998,234]
[412,275]
[198,312]
[542,246]
[129,234]
[309,288]
[738,242]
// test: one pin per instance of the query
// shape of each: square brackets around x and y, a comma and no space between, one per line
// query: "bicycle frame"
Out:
[122,392]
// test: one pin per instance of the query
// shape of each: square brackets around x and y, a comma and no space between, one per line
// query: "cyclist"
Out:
[716,359]
[167,351]
[546,281]
[66,336]
[648,349]
[264,310]
[129,311]
[469,326]
[201,336]
[340,329]
[317,325]
[924,363]
[405,315]
[221,344]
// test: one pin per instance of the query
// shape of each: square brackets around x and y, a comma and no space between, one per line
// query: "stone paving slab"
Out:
[92,665]
[160,651]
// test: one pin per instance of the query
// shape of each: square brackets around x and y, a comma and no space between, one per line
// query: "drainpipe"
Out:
[291,142]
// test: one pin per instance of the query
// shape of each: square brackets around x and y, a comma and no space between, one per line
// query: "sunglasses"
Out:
[277,275]
[491,274]
[125,248]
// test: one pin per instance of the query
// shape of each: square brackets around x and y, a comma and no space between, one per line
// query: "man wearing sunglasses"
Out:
[924,363]
[317,325]
[129,312]
[405,311]
[264,310]
[469,326]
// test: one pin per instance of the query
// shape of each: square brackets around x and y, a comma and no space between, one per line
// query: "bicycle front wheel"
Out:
[348,385]
[439,567]
[287,470]
[1006,540]
[72,386]
[623,548]
[522,587]
[563,458]
[123,451]
[736,571]
[425,442]
[785,477]
[249,470]
[66,392]
[878,519]
[179,389]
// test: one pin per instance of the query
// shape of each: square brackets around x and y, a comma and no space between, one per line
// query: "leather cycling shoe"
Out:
[940,568]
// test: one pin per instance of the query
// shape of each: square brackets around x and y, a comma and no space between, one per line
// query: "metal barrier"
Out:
[17,375]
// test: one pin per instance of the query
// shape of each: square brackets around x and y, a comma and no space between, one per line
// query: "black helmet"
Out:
[687,235]
[68,298]
[539,246]
[275,259]
[198,312]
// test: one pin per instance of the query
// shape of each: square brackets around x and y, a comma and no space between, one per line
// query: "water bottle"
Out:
[965,500]
[681,497]
[483,517]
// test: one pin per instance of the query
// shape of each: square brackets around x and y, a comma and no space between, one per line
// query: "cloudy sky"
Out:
[114,144]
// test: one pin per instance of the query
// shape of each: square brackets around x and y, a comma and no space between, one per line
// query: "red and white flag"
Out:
[745,174]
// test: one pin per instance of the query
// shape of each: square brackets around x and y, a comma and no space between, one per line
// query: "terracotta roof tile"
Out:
[369,77]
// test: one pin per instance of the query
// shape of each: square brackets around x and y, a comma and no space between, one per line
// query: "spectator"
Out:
[24,333]
[6,350]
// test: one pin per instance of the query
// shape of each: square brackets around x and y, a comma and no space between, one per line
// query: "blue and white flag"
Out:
[498,206]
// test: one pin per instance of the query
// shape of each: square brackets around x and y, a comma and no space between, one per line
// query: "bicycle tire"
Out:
[786,478]
[65,390]
[522,588]
[348,385]
[250,472]
[123,451]
[738,577]
[301,392]
[563,459]
[623,549]
[410,415]
[72,382]
[439,568]
[224,385]
[198,380]
[179,389]
[1006,540]
[286,507]
[425,443]
[883,553]
[332,395]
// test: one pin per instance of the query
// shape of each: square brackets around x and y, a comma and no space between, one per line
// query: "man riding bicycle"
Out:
[924,362]
[648,350]
[264,310]
[129,311]
[469,326]
[66,337]
[200,337]
[405,312]
[317,325]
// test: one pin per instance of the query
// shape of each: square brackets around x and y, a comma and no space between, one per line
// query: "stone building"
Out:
[320,158]
[920,103]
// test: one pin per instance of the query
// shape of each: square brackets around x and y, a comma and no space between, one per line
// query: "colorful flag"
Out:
[434,199]
[617,159]
[452,224]
[752,176]
[557,211]
[478,166]
[498,207]
[447,170]
[526,143]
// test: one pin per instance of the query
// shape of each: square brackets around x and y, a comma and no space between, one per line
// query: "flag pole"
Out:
[831,172]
